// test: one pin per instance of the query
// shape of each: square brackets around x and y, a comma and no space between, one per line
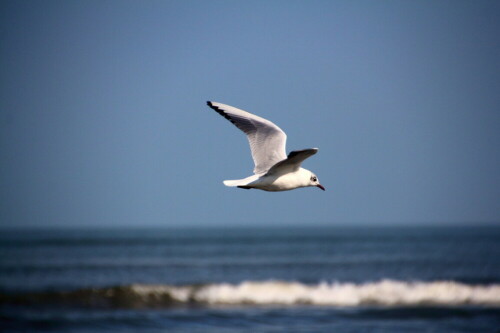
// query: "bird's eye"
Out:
[314,179]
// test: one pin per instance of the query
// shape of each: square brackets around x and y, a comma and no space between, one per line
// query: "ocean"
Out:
[338,279]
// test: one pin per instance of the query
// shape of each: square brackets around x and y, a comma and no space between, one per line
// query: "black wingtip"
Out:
[221,112]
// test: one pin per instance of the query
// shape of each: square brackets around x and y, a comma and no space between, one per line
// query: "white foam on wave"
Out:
[383,293]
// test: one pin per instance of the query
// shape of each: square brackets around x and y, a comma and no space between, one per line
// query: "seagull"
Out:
[274,171]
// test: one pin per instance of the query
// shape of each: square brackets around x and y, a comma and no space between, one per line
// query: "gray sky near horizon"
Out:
[103,120]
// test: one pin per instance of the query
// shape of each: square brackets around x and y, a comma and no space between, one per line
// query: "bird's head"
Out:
[314,181]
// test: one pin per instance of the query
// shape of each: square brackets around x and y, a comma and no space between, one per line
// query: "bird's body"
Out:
[281,182]
[274,171]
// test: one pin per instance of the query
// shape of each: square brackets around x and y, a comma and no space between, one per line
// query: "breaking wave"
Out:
[381,293]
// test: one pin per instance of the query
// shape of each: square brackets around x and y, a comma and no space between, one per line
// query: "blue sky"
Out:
[103,120]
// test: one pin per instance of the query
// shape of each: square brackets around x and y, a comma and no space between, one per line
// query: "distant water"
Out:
[251,280]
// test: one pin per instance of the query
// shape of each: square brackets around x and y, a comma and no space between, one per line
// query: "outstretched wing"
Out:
[293,161]
[267,141]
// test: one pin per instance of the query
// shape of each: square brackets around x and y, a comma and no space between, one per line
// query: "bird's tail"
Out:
[241,182]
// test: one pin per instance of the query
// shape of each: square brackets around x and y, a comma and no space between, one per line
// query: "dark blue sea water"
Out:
[387,279]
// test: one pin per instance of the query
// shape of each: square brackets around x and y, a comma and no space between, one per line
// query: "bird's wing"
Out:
[293,161]
[267,141]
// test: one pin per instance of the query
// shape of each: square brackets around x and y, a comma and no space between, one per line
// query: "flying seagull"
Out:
[274,171]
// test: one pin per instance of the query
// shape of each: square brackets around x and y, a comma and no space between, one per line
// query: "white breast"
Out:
[286,182]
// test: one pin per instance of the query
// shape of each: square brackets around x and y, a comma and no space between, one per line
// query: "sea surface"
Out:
[351,279]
